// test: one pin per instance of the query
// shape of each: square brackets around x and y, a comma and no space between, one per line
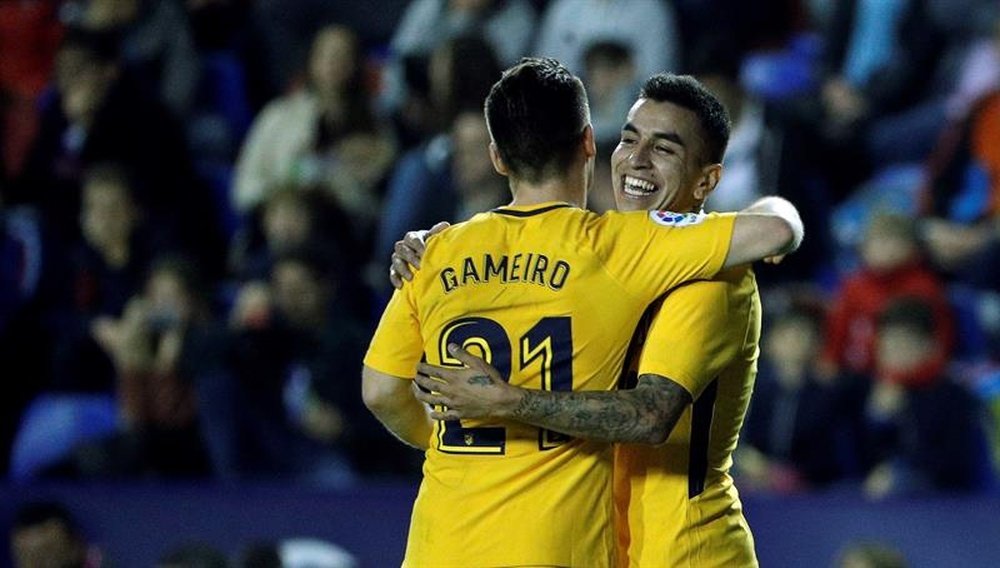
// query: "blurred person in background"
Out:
[30,32]
[963,185]
[195,555]
[45,535]
[802,429]
[324,135]
[763,157]
[458,184]
[100,113]
[273,396]
[158,410]
[424,185]
[889,78]
[921,427]
[871,555]
[106,270]
[157,44]
[293,219]
[612,82]
[297,553]
[892,267]
[647,28]
[506,26]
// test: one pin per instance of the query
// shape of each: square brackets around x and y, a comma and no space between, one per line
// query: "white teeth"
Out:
[638,187]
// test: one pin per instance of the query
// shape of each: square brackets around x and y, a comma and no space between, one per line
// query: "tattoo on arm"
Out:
[645,414]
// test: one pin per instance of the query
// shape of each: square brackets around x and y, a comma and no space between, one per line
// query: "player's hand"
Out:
[408,251]
[473,391]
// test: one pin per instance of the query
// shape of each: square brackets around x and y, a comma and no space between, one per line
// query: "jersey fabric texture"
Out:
[675,503]
[550,295]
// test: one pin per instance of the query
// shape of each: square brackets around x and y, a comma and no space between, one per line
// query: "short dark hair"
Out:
[111,173]
[607,52]
[686,91]
[195,555]
[40,512]
[317,260]
[474,69]
[101,46]
[536,114]
[909,312]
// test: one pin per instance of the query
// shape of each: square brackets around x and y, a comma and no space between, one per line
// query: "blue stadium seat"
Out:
[54,425]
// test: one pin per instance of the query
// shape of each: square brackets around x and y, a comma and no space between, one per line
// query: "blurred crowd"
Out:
[198,199]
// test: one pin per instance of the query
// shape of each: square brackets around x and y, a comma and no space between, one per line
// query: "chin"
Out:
[628,203]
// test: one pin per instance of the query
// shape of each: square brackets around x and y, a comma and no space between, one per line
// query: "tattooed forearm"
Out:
[645,414]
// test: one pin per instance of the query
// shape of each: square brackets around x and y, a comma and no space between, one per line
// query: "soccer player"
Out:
[675,500]
[549,294]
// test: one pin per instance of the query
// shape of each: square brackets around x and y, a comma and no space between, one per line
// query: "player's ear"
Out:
[710,176]
[589,145]
[498,163]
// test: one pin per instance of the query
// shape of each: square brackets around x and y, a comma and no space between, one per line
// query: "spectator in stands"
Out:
[45,534]
[272,387]
[871,555]
[107,270]
[196,555]
[422,189]
[922,430]
[103,115]
[892,267]
[29,37]
[611,82]
[507,26]
[964,182]
[297,553]
[802,428]
[648,29]
[324,135]
[293,219]
[449,181]
[891,72]
[762,158]
[156,400]
[157,44]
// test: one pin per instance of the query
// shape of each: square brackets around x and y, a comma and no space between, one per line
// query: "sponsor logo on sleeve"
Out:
[671,219]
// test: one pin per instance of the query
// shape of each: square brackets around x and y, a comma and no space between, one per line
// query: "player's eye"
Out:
[665,150]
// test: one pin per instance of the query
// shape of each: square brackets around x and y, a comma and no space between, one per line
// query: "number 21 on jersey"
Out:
[548,344]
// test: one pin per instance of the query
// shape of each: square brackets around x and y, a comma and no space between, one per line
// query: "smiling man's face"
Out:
[659,162]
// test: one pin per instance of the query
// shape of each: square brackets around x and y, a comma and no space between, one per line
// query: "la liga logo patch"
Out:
[672,219]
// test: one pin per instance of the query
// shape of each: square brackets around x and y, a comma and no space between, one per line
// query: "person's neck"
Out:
[570,189]
[116,255]
[331,103]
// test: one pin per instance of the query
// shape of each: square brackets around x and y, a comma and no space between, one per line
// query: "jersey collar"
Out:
[530,210]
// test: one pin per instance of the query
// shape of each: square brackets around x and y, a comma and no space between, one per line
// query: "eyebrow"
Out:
[658,134]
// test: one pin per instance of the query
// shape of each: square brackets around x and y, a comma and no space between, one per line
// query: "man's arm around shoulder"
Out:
[645,414]
[771,227]
[391,400]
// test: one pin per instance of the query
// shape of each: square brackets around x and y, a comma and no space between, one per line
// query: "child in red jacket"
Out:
[892,267]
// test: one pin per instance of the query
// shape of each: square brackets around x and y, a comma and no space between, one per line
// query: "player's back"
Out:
[679,500]
[549,295]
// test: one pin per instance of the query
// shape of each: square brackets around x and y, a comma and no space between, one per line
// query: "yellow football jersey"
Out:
[675,503]
[550,295]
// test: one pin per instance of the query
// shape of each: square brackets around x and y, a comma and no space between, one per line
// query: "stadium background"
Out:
[198,200]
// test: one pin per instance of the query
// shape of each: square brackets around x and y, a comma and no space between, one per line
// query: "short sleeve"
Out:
[692,338]
[649,253]
[397,345]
